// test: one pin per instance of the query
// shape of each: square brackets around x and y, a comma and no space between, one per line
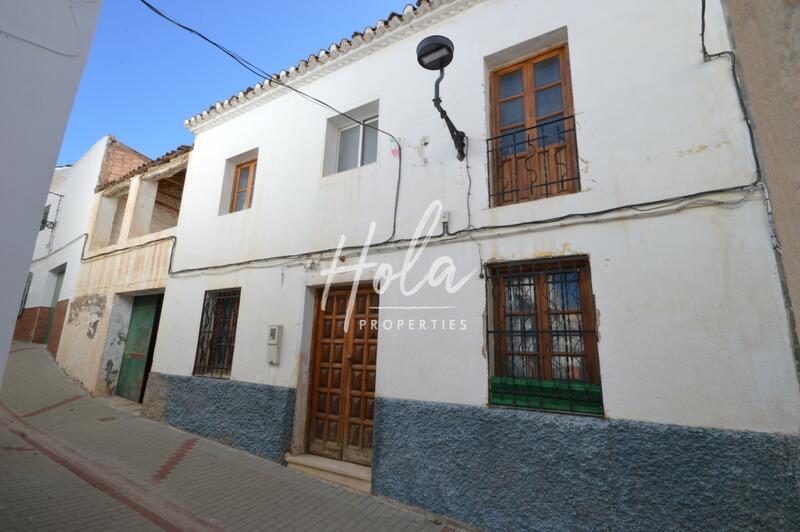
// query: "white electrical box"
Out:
[274,344]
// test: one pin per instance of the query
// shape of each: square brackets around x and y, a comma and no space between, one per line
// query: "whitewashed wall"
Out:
[65,241]
[691,320]
[42,54]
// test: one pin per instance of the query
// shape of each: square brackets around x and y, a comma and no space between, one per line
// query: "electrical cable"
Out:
[63,53]
[707,56]
[469,182]
[641,207]
[273,78]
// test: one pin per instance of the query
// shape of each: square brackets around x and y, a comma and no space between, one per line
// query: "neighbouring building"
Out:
[112,321]
[60,242]
[770,70]
[594,333]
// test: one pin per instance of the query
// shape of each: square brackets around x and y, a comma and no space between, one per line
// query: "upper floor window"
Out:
[217,333]
[45,217]
[358,145]
[533,153]
[543,336]
[244,179]
[350,144]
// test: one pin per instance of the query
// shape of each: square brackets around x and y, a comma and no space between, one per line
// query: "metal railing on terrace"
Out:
[534,162]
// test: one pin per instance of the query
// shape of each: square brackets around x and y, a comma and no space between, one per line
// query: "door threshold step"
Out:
[120,403]
[354,476]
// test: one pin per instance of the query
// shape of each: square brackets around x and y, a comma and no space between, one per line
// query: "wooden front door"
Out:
[139,344]
[342,402]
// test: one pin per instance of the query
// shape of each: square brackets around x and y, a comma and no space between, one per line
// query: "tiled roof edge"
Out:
[167,157]
[309,69]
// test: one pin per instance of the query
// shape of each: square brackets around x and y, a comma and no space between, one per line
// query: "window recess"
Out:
[46,219]
[543,337]
[533,153]
[244,180]
[350,144]
[217,333]
[358,145]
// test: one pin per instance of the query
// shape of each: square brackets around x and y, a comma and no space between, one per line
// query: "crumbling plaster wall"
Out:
[111,359]
[97,318]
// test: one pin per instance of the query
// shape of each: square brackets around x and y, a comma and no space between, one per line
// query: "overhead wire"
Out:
[274,78]
[652,207]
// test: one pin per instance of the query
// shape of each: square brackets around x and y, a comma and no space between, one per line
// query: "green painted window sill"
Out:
[559,396]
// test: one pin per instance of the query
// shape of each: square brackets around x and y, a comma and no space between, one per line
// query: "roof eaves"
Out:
[323,58]
[144,168]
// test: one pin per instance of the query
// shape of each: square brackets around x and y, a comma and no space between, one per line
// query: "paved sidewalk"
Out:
[71,462]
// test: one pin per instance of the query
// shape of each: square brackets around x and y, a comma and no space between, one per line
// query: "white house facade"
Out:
[60,243]
[579,325]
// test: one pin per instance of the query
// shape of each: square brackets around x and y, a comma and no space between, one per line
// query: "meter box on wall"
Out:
[274,333]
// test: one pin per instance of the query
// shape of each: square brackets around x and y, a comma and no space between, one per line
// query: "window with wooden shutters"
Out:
[543,336]
[244,180]
[533,153]
[217,333]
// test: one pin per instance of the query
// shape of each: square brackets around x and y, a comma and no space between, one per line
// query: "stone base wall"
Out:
[253,417]
[503,469]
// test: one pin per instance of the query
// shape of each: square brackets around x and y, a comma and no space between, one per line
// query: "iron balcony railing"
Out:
[535,162]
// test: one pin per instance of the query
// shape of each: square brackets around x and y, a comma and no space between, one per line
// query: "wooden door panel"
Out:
[343,378]
[326,400]
[137,346]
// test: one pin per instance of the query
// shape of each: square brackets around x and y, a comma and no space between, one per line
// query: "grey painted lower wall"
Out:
[504,469]
[255,417]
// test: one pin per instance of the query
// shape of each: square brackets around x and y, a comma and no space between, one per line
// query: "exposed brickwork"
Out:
[118,161]
[30,327]
[58,325]
[144,167]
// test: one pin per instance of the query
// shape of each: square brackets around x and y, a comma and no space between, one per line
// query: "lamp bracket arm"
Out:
[457,135]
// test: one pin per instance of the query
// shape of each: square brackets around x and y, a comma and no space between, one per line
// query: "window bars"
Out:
[217,333]
[535,162]
[542,337]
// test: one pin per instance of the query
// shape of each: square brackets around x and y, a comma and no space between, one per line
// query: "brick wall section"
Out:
[41,325]
[31,324]
[119,159]
[58,324]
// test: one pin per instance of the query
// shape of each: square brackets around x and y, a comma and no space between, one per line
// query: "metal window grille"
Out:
[217,333]
[535,162]
[542,336]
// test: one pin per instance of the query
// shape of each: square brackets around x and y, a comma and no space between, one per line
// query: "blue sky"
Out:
[144,76]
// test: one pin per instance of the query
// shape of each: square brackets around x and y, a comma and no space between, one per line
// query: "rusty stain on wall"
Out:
[701,148]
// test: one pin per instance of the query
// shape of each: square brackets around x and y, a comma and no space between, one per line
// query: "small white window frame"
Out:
[361,135]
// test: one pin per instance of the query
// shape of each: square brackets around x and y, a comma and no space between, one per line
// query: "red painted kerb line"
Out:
[21,349]
[54,405]
[173,461]
[151,506]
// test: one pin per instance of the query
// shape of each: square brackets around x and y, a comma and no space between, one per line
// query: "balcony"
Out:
[526,164]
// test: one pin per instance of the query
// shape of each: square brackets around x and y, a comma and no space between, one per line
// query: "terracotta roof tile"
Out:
[180,150]
[383,26]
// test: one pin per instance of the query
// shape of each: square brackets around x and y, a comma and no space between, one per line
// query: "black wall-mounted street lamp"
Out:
[435,53]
